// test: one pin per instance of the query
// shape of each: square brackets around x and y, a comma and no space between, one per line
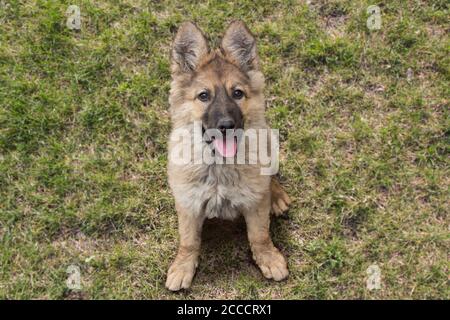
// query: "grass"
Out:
[364,150]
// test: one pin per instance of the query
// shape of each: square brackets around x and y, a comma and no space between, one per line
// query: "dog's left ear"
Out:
[188,48]
[239,45]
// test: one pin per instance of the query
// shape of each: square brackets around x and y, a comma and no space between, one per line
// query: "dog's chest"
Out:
[221,192]
[221,195]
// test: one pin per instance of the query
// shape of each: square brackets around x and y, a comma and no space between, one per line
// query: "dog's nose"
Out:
[224,124]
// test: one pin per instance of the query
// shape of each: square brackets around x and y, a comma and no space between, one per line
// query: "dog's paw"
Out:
[280,203]
[280,199]
[272,264]
[280,206]
[180,275]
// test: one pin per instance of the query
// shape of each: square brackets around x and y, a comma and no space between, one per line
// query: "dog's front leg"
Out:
[269,259]
[182,270]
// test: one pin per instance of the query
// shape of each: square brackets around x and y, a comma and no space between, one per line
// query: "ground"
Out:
[364,125]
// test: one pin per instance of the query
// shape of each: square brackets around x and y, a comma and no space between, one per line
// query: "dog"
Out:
[219,89]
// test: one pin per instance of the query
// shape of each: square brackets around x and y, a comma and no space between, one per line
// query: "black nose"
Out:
[225,124]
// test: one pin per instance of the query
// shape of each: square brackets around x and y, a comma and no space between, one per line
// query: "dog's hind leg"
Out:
[280,199]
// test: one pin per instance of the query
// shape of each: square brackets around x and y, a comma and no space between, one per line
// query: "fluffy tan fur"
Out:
[204,191]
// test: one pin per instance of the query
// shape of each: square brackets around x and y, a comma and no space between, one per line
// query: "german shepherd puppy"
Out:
[220,89]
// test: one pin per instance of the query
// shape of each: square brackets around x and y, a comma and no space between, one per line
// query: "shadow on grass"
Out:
[225,253]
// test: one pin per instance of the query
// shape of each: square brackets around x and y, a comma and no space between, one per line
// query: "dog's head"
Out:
[220,88]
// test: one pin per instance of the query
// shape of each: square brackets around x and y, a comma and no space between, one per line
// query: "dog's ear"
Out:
[239,45]
[189,46]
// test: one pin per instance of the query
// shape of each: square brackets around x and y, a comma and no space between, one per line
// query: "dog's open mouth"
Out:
[225,145]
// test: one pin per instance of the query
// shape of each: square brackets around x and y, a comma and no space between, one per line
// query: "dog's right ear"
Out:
[189,46]
[239,45]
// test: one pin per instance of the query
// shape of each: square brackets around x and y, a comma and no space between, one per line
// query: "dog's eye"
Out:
[203,96]
[238,94]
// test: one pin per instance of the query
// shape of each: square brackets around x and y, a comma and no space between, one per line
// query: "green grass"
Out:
[364,149]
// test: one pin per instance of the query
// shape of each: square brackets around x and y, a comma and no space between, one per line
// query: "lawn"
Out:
[364,126]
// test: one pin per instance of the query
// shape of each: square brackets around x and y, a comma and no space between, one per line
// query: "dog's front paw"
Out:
[180,275]
[272,264]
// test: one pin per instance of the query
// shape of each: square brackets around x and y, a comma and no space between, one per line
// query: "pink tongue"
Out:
[226,147]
